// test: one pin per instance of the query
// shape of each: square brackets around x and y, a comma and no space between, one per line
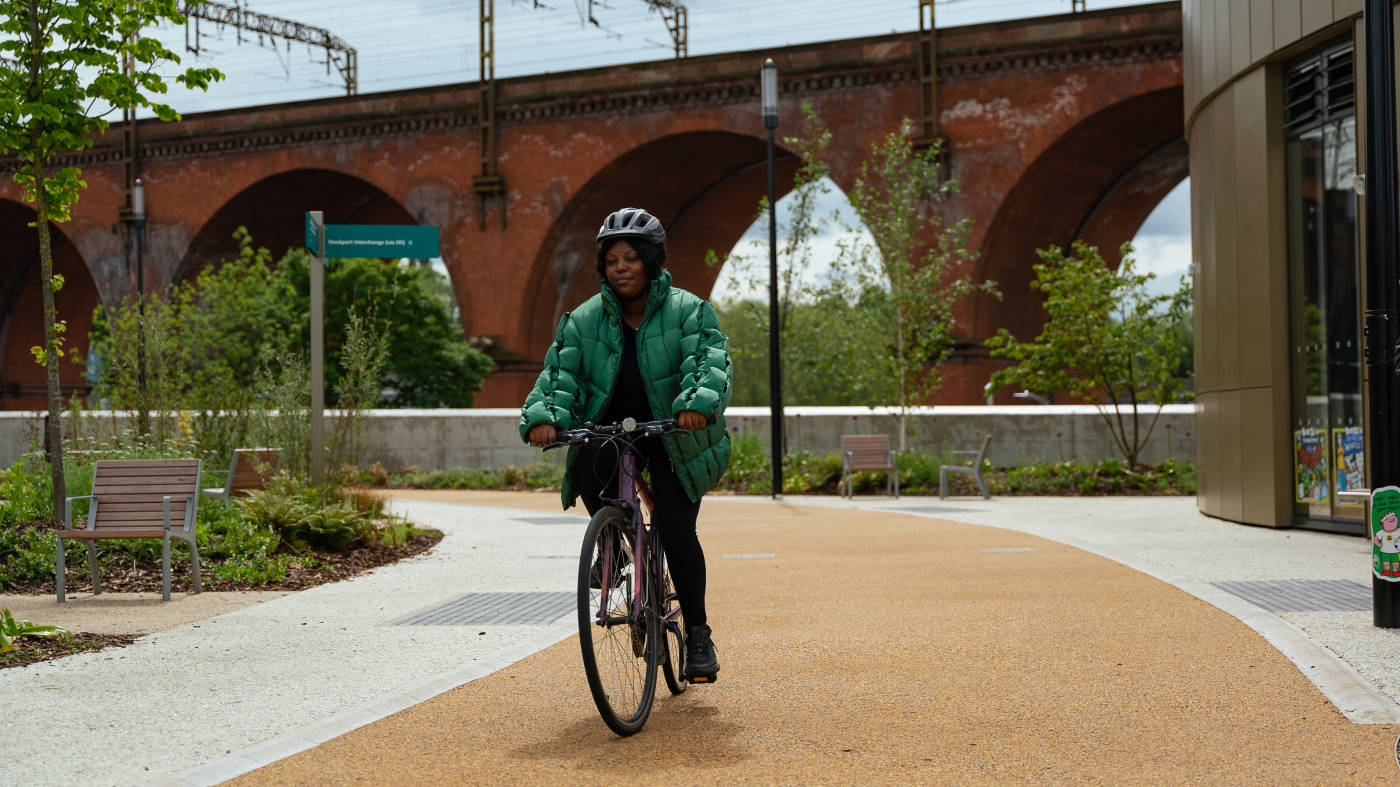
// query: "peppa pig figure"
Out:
[1388,541]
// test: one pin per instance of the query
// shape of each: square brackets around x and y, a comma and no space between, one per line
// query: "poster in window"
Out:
[1349,461]
[1311,477]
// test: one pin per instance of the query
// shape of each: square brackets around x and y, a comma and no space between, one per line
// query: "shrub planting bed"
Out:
[288,537]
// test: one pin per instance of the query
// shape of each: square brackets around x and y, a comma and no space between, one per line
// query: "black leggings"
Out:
[595,476]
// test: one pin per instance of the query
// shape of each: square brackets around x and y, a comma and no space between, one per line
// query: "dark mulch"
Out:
[30,650]
[123,577]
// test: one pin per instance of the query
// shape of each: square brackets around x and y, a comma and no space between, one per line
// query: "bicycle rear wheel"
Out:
[673,634]
[620,648]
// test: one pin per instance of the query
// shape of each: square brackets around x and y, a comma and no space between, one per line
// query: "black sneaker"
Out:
[701,666]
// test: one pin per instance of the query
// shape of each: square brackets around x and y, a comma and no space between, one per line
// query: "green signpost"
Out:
[374,240]
[348,240]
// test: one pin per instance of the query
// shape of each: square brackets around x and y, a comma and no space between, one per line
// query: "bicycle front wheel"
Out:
[619,639]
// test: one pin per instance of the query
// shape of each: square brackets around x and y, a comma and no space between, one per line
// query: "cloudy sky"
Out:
[414,43]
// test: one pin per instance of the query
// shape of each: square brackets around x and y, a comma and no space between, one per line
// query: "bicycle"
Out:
[626,602]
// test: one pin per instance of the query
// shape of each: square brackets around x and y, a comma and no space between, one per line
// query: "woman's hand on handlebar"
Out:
[689,419]
[542,435]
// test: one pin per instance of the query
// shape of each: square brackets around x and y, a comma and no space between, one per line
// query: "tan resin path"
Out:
[893,649]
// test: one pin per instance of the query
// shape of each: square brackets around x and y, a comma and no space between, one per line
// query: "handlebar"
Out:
[627,429]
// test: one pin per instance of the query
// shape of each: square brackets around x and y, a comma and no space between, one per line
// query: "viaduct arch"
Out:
[23,383]
[1059,127]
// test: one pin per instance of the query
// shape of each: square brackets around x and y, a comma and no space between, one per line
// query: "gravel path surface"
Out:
[883,647]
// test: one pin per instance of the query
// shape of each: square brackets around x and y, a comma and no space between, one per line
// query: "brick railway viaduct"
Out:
[1059,128]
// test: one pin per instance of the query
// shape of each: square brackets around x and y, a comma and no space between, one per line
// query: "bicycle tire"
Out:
[673,634]
[620,659]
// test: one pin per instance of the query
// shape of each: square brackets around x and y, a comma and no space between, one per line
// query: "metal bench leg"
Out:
[165,569]
[62,571]
[194,558]
[92,569]
[982,485]
[942,483]
[896,483]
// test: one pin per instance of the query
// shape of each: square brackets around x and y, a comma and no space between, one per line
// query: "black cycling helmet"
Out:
[643,230]
[632,223]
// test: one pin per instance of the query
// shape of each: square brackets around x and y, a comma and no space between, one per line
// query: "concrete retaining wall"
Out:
[485,438]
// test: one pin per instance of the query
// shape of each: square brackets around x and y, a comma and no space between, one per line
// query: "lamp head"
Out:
[768,90]
[138,201]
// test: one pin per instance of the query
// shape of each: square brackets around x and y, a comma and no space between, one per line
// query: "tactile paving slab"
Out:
[497,609]
[1303,595]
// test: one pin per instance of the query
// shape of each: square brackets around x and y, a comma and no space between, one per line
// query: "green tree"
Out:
[205,343]
[816,372]
[242,315]
[429,362]
[916,261]
[1106,341]
[65,65]
[802,332]
[873,329]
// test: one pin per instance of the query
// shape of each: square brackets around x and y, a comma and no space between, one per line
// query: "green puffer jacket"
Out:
[684,359]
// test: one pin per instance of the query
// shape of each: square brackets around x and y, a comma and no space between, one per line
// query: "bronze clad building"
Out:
[1273,108]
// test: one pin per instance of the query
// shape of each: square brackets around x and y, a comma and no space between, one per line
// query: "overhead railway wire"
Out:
[448,46]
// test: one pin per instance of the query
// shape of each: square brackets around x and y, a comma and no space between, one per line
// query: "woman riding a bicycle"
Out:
[645,350]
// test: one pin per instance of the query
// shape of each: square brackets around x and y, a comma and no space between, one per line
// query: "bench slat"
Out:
[137,478]
[107,507]
[130,497]
[126,473]
[133,532]
[125,518]
[161,478]
[251,466]
[150,493]
[103,511]
[867,451]
[149,464]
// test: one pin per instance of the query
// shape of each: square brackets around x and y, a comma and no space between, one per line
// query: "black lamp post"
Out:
[1381,331]
[768,84]
[138,223]
[138,220]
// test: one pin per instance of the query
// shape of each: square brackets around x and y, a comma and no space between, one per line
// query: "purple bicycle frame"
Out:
[627,486]
[627,492]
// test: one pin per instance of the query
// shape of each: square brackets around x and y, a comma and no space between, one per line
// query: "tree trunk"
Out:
[901,363]
[53,423]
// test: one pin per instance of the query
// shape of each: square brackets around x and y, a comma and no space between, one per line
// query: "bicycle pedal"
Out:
[702,678]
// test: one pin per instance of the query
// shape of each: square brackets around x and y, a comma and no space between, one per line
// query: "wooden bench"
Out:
[867,452]
[979,456]
[137,498]
[250,470]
